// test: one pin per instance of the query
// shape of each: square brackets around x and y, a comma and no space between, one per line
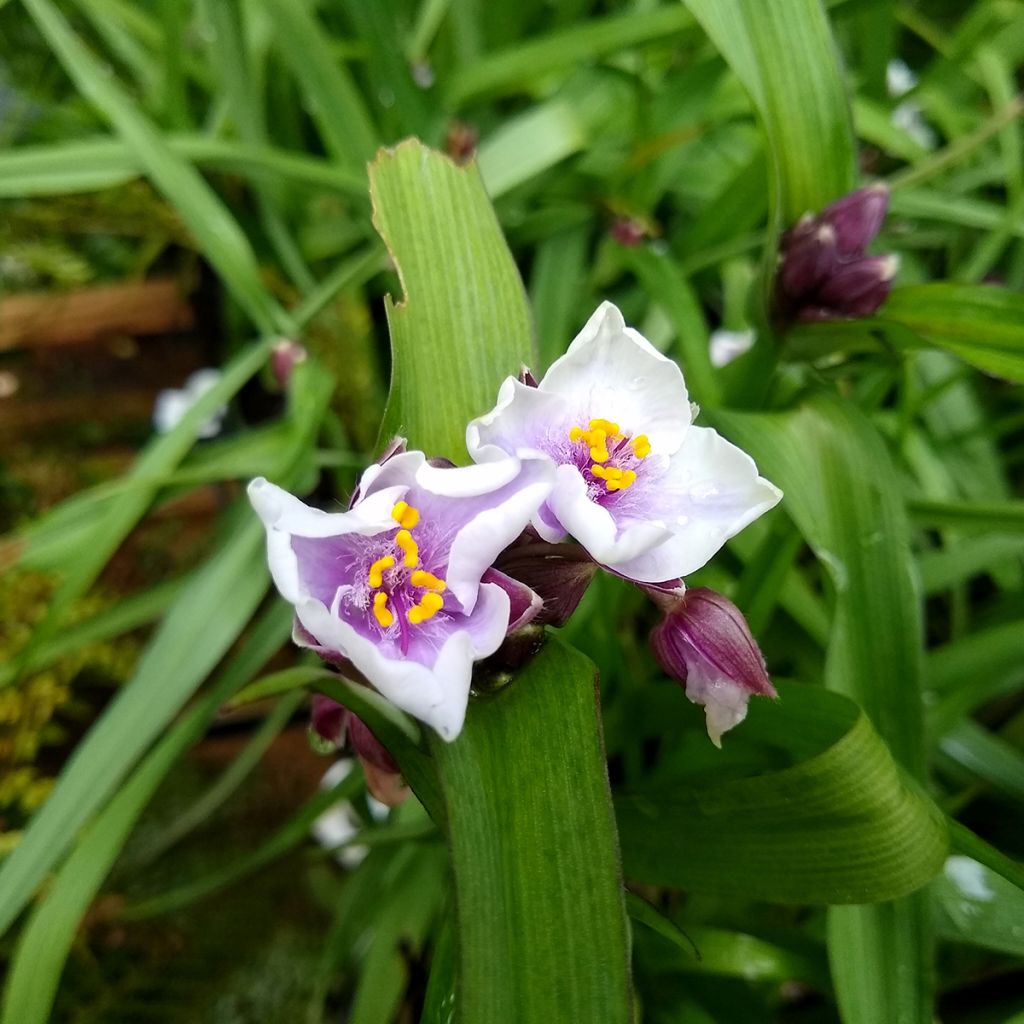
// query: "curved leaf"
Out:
[841,825]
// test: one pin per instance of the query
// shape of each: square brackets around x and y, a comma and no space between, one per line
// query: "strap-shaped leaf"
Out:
[841,825]
[843,492]
[784,55]
[464,323]
[541,930]
[981,324]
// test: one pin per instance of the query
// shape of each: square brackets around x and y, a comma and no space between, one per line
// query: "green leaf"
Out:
[981,324]
[784,55]
[197,631]
[518,66]
[541,927]
[46,940]
[464,323]
[977,906]
[839,825]
[334,102]
[215,230]
[843,492]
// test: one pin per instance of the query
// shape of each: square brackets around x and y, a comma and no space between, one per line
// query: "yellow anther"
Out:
[427,580]
[376,577]
[380,609]
[624,480]
[409,548]
[429,605]
[579,436]
[641,446]
[608,428]
[405,515]
[599,471]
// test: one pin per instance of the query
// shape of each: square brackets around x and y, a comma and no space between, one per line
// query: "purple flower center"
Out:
[608,458]
[396,585]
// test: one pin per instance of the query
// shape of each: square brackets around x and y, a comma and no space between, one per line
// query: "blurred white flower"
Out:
[340,824]
[172,404]
[899,79]
[726,345]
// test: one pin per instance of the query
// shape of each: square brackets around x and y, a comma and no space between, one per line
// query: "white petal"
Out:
[480,541]
[435,694]
[612,372]
[593,526]
[519,423]
[710,492]
[285,516]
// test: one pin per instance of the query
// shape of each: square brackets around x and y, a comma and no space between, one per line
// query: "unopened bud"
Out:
[857,217]
[284,357]
[628,231]
[558,573]
[824,273]
[704,642]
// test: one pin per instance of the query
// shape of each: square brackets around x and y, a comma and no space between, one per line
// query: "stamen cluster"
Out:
[385,583]
[607,444]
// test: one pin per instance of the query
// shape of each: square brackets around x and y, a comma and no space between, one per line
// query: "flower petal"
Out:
[613,372]
[285,517]
[523,421]
[593,526]
[436,694]
[710,491]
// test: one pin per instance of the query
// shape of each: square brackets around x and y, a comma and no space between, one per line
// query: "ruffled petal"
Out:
[524,421]
[613,372]
[710,491]
[595,528]
[436,694]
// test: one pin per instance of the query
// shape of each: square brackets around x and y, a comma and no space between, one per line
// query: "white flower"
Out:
[400,587]
[172,404]
[649,495]
[725,346]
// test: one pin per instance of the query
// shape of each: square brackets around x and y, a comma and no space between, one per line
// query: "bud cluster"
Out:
[824,271]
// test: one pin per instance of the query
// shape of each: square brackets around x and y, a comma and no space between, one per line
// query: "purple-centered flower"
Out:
[646,493]
[704,642]
[400,587]
[824,272]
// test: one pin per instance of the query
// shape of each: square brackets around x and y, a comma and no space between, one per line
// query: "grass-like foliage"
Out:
[428,194]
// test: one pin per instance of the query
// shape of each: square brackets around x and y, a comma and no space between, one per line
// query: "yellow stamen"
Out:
[429,605]
[428,580]
[409,548]
[598,447]
[376,577]
[641,446]
[622,482]
[380,610]
[606,426]
[405,515]
[579,436]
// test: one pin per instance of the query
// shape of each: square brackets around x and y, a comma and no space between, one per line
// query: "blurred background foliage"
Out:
[207,158]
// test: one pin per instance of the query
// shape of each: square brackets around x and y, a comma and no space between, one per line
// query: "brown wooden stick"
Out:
[44,319]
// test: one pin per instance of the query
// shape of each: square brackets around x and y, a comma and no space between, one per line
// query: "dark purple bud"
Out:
[284,357]
[808,257]
[857,217]
[860,287]
[558,573]
[704,642]
[328,720]
[367,747]
[526,377]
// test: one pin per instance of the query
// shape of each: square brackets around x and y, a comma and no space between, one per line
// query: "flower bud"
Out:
[824,273]
[558,574]
[704,642]
[284,357]
[333,724]
[857,217]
